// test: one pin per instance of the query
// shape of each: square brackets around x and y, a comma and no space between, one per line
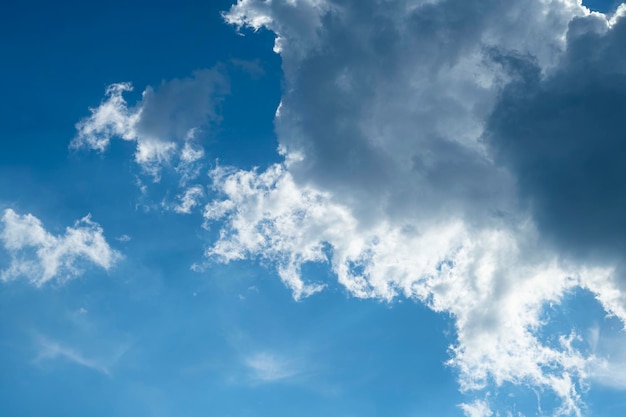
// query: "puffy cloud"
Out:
[163,123]
[494,282]
[431,148]
[40,256]
[387,100]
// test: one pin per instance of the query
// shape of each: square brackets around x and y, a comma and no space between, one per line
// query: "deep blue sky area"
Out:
[62,56]
[187,289]
[57,54]
[604,6]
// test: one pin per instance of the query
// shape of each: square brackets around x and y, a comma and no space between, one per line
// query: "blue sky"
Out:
[313,207]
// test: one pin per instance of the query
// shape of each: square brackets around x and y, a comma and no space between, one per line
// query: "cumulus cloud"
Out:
[387,100]
[163,124]
[460,153]
[494,282]
[40,256]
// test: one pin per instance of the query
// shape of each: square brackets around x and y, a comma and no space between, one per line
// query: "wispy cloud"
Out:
[190,199]
[610,367]
[52,350]
[478,408]
[270,367]
[41,256]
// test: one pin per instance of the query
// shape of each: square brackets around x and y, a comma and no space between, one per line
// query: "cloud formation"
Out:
[189,199]
[461,153]
[495,283]
[40,256]
[562,137]
[50,350]
[163,124]
[267,367]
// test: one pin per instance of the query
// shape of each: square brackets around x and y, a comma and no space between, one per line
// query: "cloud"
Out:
[610,371]
[493,282]
[49,350]
[189,199]
[163,124]
[123,238]
[459,153]
[562,138]
[387,101]
[267,367]
[478,408]
[40,256]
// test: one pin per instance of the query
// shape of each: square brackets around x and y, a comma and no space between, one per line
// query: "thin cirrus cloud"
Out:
[53,350]
[268,367]
[163,124]
[460,153]
[40,256]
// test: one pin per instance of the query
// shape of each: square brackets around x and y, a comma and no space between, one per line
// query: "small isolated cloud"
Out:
[51,350]
[123,238]
[268,367]
[40,256]
[163,124]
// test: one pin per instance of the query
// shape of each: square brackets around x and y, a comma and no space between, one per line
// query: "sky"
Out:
[313,207]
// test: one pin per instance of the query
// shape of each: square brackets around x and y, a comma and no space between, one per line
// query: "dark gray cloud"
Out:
[563,139]
[164,123]
[388,104]
[176,107]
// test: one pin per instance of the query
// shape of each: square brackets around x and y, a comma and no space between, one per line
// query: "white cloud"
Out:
[494,282]
[268,367]
[49,350]
[123,238]
[189,199]
[610,369]
[478,408]
[163,124]
[40,256]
